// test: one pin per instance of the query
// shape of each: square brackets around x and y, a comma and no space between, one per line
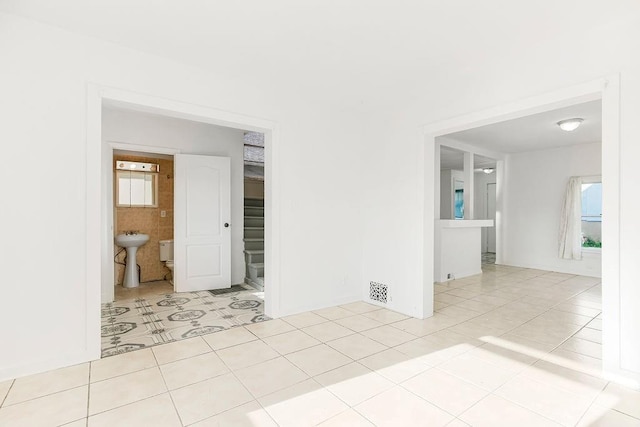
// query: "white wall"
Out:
[43,82]
[457,252]
[189,137]
[480,201]
[395,227]
[367,214]
[534,192]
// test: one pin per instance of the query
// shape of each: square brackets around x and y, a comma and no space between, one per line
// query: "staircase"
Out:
[254,242]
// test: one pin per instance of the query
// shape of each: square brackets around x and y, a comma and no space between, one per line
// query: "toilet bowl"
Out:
[166,255]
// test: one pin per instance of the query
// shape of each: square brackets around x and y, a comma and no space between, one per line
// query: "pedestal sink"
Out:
[131,241]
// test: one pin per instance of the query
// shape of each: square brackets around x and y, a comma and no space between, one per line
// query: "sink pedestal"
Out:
[131,240]
[131,269]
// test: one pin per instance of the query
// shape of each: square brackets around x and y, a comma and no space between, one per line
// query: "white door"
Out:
[491,214]
[202,216]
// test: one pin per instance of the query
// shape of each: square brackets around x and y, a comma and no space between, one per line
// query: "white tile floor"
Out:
[511,347]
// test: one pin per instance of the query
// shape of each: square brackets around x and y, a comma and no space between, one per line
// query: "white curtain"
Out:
[570,238]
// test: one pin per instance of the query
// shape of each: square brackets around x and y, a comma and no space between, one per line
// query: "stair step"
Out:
[257,284]
[254,232]
[254,221]
[254,211]
[256,270]
[254,202]
[251,244]
[253,256]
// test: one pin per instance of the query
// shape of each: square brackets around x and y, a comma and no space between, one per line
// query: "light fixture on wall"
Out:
[570,124]
[487,170]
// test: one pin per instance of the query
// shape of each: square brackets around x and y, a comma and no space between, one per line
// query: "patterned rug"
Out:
[140,322]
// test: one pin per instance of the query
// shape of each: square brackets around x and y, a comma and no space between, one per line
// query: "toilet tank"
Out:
[166,250]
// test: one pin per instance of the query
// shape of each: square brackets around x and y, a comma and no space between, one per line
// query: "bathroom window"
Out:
[136,189]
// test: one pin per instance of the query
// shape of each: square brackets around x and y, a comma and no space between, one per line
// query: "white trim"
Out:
[143,148]
[587,250]
[97,226]
[463,146]
[39,366]
[590,91]
[607,89]
[592,179]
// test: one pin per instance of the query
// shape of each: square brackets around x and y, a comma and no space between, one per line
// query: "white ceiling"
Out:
[538,131]
[356,54]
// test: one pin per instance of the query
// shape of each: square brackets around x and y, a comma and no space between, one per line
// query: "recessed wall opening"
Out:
[518,233]
[187,204]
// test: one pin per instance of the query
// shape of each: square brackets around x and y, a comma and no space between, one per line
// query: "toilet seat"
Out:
[169,264]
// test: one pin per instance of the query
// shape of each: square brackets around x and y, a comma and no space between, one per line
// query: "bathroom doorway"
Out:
[150,177]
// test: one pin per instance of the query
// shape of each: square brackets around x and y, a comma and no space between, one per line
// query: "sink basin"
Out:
[131,240]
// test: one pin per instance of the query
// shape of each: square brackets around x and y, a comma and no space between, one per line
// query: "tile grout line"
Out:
[175,408]
[13,381]
[88,392]
[593,402]
[242,384]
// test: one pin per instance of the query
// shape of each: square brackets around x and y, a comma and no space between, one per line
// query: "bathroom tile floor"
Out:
[153,314]
[509,347]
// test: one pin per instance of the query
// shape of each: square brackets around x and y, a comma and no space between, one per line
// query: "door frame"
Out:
[608,90]
[99,230]
[108,274]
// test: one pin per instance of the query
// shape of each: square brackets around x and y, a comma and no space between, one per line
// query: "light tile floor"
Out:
[153,314]
[511,347]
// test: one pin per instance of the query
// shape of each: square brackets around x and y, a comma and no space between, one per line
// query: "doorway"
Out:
[608,91]
[209,294]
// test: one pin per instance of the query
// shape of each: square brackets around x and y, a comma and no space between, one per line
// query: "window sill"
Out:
[591,250]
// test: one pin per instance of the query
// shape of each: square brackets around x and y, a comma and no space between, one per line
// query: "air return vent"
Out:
[378,292]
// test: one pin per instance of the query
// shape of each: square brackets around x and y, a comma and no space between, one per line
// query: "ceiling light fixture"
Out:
[487,170]
[570,124]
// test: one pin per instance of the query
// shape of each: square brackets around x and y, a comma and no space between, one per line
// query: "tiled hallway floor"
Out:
[511,347]
[153,314]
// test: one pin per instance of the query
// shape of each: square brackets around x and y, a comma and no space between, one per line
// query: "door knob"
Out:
[226,224]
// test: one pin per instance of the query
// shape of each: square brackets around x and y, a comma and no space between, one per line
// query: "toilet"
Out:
[166,255]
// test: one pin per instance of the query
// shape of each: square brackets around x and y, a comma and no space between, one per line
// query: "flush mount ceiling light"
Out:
[487,170]
[570,124]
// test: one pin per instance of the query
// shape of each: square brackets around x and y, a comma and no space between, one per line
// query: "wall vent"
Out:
[378,292]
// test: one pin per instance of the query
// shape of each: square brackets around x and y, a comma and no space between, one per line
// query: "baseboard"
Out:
[39,366]
[555,269]
[461,275]
[339,301]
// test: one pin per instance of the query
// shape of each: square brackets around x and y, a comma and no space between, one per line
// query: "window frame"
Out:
[595,179]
